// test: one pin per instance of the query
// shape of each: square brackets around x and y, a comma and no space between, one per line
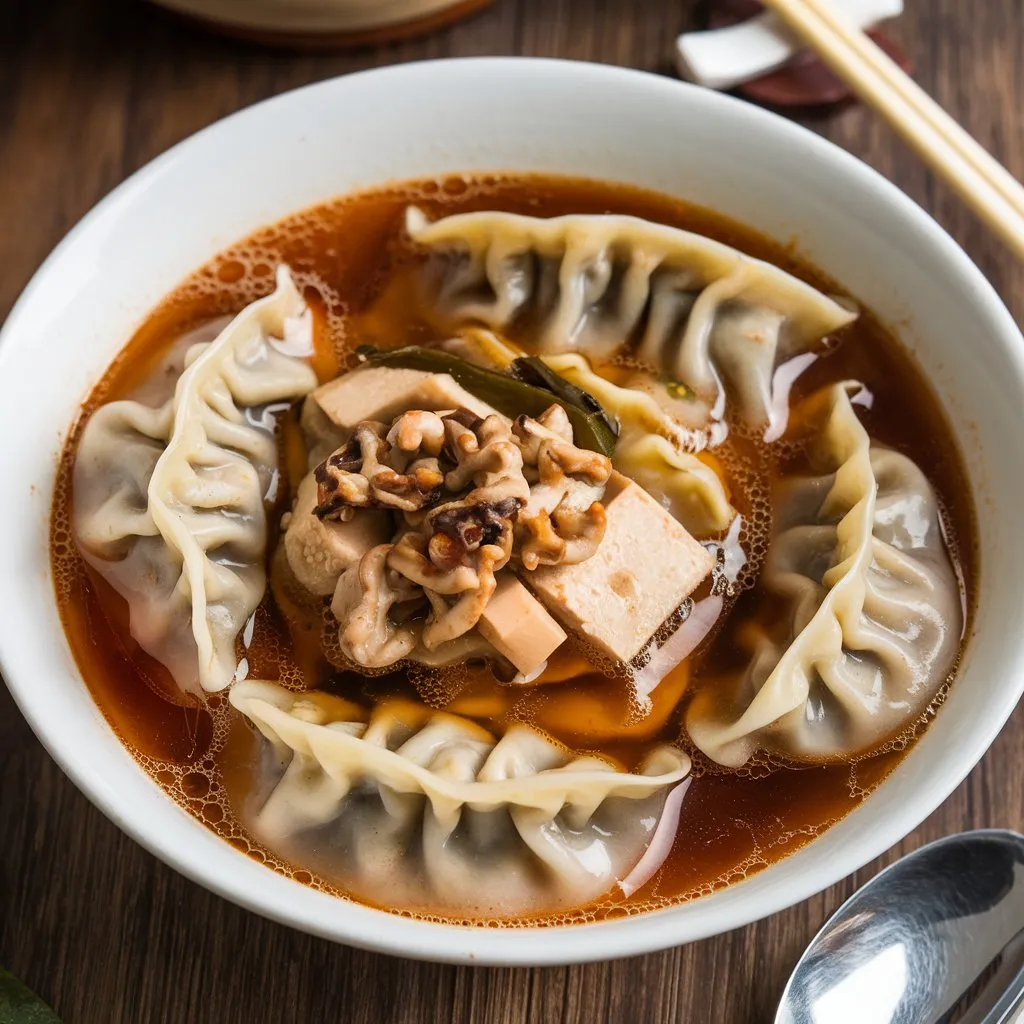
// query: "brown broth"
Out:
[733,822]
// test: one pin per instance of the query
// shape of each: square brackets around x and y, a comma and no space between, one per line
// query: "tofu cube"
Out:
[384,392]
[645,567]
[318,552]
[518,626]
[323,436]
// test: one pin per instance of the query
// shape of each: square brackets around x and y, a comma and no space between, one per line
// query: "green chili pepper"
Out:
[592,427]
[532,370]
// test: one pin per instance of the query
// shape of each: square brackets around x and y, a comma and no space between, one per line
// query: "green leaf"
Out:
[592,427]
[20,1005]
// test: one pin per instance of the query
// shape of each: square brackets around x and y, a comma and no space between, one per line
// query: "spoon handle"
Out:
[1010,1008]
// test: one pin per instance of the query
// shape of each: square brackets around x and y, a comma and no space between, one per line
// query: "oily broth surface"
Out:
[349,259]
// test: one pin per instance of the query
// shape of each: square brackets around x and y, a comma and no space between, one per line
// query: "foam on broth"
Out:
[350,260]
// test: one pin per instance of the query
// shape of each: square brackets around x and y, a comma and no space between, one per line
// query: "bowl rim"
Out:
[384,932]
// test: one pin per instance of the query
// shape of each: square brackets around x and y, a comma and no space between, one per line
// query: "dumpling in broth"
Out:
[711,317]
[168,502]
[873,615]
[651,451]
[419,809]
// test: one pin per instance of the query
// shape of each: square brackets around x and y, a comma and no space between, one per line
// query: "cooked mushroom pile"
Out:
[469,495]
[442,527]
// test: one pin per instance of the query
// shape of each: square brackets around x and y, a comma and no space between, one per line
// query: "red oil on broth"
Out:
[355,268]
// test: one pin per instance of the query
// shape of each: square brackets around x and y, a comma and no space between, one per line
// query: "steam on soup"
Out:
[475,552]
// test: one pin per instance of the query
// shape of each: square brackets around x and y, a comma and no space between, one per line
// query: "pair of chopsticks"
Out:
[980,180]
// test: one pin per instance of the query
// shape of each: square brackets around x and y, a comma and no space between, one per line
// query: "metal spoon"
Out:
[936,938]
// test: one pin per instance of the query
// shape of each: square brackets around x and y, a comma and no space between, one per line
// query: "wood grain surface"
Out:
[91,90]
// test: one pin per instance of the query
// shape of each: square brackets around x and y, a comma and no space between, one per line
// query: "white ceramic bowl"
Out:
[426,119]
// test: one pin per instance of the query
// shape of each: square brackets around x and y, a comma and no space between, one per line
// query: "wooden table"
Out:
[90,91]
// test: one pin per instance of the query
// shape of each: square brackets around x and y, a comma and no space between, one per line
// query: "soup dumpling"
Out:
[169,501]
[421,809]
[713,318]
[872,610]
[651,451]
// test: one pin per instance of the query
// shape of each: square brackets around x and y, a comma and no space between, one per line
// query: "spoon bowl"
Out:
[936,937]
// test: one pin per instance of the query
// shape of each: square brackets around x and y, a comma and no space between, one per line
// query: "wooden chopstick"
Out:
[983,183]
[903,84]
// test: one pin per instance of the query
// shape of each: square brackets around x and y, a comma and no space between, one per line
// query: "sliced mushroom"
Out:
[361,473]
[471,492]
[362,602]
[564,521]
[565,536]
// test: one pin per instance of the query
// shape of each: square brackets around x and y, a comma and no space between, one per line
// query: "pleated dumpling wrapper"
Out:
[169,501]
[418,808]
[651,451]
[871,615]
[718,321]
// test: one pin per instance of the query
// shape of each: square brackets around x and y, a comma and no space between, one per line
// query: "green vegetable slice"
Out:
[532,370]
[592,427]
[20,1005]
